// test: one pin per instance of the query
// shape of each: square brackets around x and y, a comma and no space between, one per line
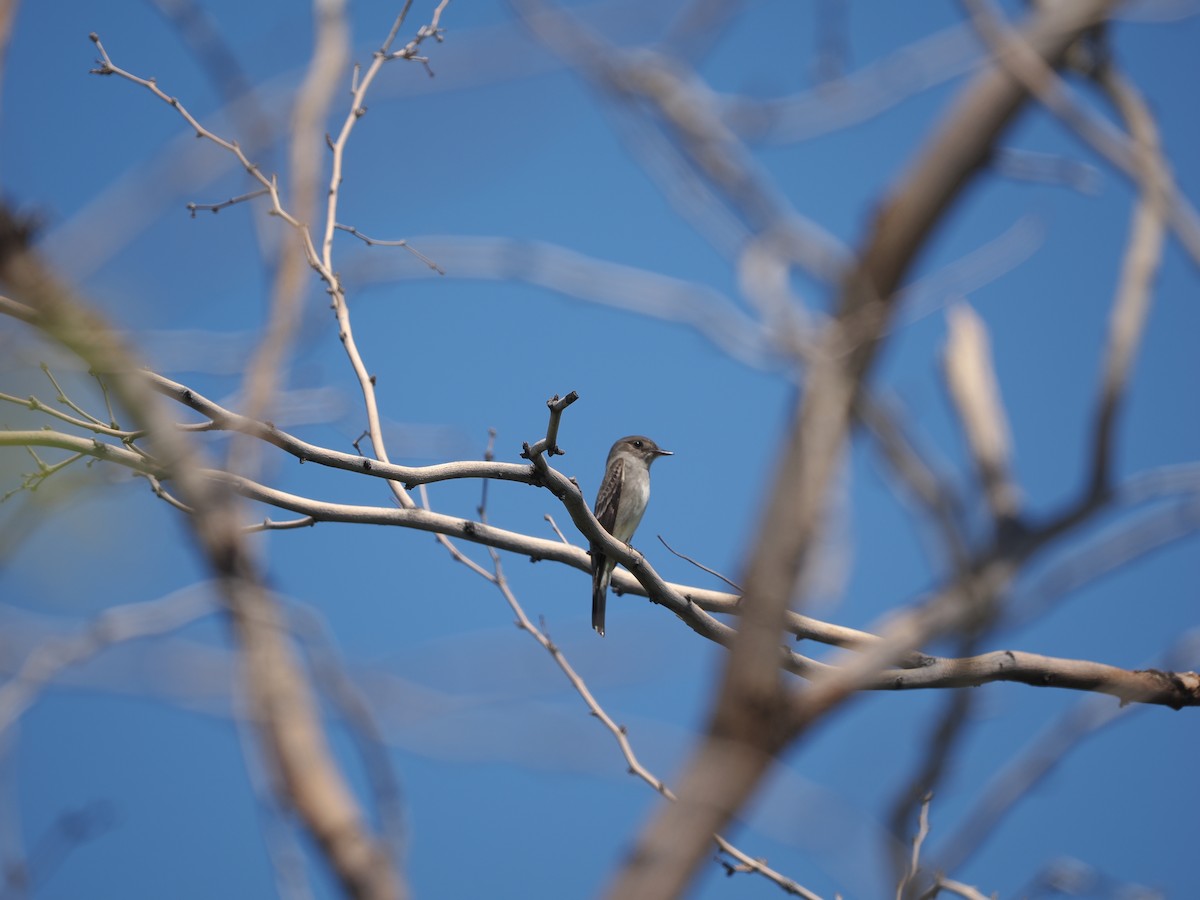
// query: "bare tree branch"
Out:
[687,602]
[1042,755]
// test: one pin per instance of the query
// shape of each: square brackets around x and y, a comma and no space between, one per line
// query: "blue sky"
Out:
[509,788]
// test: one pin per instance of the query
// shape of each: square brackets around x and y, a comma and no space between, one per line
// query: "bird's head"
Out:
[640,446]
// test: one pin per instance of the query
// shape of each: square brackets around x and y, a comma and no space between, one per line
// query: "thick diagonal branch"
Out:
[286,713]
[748,727]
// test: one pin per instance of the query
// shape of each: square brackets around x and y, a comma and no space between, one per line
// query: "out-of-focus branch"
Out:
[285,712]
[958,888]
[1047,168]
[8,14]
[708,154]
[1168,518]
[1015,54]
[933,491]
[114,625]
[1143,253]
[979,267]
[971,380]
[764,269]
[267,366]
[699,25]
[583,277]
[749,723]
[336,684]
[858,96]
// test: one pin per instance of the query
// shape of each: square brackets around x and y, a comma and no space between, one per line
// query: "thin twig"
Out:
[193,208]
[272,525]
[375,242]
[105,66]
[562,537]
[914,863]
[67,401]
[90,423]
[620,734]
[699,565]
[489,454]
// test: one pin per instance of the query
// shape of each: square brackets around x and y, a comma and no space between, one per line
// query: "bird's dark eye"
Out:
[637,444]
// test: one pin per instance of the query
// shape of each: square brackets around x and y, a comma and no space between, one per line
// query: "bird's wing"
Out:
[609,497]
[607,502]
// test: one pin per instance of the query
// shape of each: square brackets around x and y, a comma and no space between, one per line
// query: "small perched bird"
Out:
[620,506]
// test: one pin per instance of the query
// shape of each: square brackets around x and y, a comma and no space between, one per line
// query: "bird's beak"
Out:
[664,453]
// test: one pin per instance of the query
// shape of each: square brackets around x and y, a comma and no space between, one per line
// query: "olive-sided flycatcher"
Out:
[620,506]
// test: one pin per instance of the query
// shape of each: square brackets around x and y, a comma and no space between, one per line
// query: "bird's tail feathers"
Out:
[601,575]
